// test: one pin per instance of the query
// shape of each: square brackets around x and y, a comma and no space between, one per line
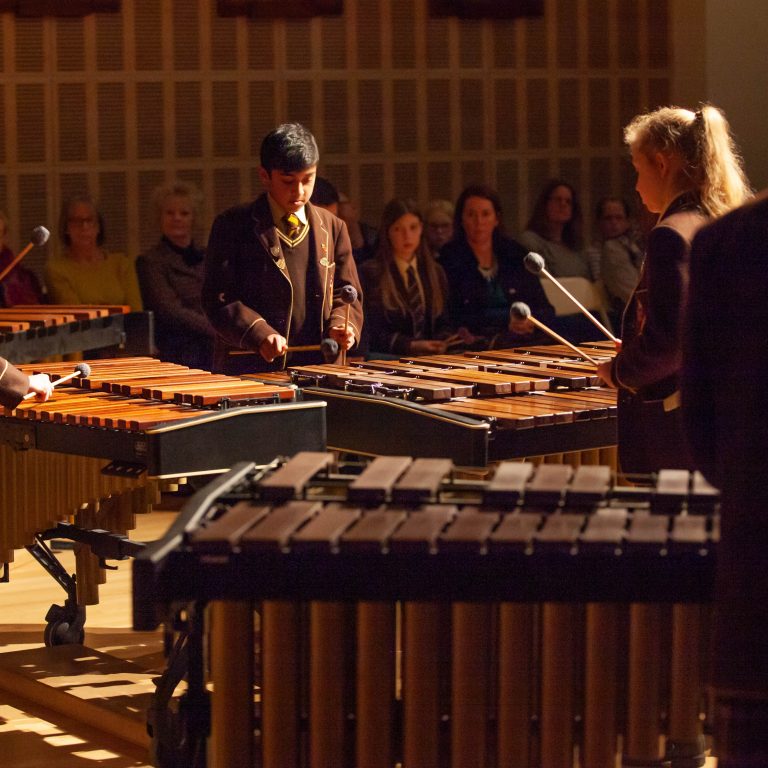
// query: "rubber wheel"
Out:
[59,633]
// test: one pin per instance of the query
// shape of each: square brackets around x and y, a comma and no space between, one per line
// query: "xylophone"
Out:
[423,643]
[99,450]
[474,408]
[34,332]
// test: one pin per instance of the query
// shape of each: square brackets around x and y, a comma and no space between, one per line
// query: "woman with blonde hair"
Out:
[171,278]
[438,220]
[688,171]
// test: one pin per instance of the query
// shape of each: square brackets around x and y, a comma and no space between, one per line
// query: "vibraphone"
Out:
[99,450]
[34,332]
[422,644]
[474,408]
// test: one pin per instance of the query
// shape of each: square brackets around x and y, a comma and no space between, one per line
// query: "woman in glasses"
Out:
[85,272]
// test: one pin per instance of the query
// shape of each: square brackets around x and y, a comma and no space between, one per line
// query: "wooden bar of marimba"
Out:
[475,408]
[92,458]
[35,332]
[507,600]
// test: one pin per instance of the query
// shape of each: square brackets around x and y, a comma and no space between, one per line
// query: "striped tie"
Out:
[415,302]
[292,225]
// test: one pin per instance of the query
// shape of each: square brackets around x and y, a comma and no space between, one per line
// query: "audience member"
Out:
[20,285]
[486,274]
[171,279]
[276,267]
[325,195]
[361,235]
[405,288]
[554,231]
[438,217]
[617,254]
[85,272]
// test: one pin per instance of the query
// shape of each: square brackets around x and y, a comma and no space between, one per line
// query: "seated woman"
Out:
[171,279]
[85,272]
[554,231]
[21,285]
[439,220]
[617,254]
[404,288]
[486,274]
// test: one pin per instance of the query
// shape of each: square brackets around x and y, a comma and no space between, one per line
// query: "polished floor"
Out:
[32,735]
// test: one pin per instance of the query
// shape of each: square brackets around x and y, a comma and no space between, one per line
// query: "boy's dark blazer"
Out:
[247,293]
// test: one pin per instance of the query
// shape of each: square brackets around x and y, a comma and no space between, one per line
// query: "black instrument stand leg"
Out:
[65,623]
[179,729]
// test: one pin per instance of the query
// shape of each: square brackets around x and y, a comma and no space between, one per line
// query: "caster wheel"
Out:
[62,633]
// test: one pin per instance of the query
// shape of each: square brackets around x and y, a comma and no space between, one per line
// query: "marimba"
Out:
[99,450]
[34,332]
[422,644]
[473,408]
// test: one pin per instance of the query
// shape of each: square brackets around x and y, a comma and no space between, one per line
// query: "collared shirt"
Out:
[403,266]
[278,213]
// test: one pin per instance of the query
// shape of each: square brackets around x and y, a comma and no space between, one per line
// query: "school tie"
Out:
[415,301]
[292,225]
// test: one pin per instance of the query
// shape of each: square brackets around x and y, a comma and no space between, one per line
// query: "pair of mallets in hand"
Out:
[328,347]
[520,311]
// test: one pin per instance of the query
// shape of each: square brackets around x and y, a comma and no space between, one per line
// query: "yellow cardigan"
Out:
[109,281]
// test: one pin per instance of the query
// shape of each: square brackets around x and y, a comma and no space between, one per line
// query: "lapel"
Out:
[266,233]
[322,253]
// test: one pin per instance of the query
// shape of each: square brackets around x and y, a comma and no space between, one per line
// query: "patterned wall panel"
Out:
[151,28]
[401,103]
[150,127]
[3,149]
[70,45]
[110,42]
[31,121]
[110,106]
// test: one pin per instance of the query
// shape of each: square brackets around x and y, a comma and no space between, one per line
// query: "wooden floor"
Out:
[32,735]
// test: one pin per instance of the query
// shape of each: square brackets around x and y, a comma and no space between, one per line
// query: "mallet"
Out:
[521,311]
[81,369]
[534,263]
